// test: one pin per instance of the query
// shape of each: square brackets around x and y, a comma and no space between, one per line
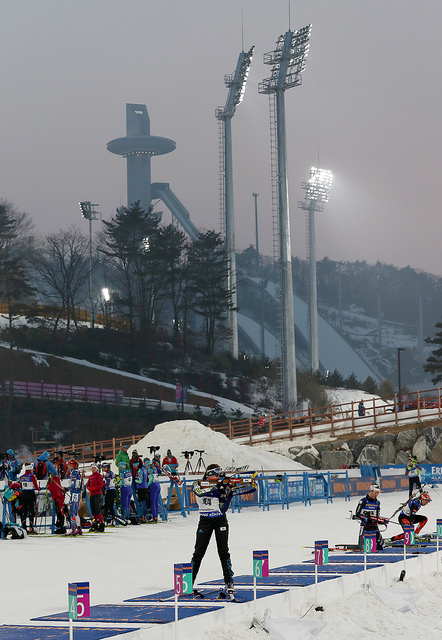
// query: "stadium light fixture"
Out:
[317,189]
[88,213]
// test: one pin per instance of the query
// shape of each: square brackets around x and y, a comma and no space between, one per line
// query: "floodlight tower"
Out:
[236,82]
[88,212]
[288,62]
[317,193]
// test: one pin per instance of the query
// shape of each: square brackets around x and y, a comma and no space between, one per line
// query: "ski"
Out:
[174,477]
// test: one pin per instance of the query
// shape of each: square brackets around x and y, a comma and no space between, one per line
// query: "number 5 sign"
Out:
[182,579]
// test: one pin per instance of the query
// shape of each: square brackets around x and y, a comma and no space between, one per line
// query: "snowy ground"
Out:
[128,562]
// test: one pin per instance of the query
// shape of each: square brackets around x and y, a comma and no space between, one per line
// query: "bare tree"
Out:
[62,262]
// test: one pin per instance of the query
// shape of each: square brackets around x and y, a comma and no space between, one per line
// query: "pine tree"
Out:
[434,360]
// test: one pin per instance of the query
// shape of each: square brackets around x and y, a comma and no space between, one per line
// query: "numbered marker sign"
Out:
[370,542]
[79,600]
[439,528]
[321,552]
[260,564]
[409,535]
[183,579]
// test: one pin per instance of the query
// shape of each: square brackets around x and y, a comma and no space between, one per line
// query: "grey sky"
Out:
[370,99]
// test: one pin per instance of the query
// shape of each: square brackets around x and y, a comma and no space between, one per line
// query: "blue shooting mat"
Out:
[358,558]
[337,568]
[142,614]
[278,580]
[210,596]
[16,632]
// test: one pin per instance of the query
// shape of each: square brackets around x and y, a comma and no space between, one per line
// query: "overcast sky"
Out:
[370,101]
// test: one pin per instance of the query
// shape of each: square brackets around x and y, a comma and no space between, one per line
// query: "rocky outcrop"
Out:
[377,449]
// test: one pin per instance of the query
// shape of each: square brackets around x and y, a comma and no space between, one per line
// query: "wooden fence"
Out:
[330,421]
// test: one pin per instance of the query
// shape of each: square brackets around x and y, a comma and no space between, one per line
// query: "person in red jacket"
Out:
[170,461]
[95,486]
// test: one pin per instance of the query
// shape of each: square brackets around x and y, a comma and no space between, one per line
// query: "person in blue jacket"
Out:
[12,467]
[154,489]
[141,483]
[75,486]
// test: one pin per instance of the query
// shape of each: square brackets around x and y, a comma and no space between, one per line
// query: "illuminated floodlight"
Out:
[287,60]
[236,83]
[106,294]
[86,209]
[319,185]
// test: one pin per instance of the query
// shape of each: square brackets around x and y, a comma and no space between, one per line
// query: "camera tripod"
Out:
[200,465]
[188,467]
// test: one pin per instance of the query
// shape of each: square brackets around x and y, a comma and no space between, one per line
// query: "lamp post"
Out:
[399,349]
[317,193]
[88,212]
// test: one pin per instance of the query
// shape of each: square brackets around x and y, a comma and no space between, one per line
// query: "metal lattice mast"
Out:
[317,192]
[288,62]
[274,177]
[236,83]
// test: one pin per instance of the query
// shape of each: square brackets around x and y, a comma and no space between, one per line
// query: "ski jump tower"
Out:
[138,146]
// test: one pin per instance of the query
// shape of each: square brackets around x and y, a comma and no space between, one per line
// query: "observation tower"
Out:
[138,146]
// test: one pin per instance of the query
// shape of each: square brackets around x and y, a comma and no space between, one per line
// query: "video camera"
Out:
[200,451]
[153,449]
[98,459]
[187,454]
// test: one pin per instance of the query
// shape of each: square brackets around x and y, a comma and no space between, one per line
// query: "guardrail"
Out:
[334,418]
[330,420]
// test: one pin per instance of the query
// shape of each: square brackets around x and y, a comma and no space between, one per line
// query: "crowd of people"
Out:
[132,494]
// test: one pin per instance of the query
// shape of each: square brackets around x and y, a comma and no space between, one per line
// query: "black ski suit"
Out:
[213,501]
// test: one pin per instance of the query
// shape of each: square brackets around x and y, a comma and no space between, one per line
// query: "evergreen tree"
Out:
[209,294]
[434,360]
[127,245]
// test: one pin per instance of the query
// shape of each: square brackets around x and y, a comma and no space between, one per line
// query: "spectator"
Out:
[11,465]
[141,484]
[157,463]
[109,496]
[154,492]
[95,485]
[74,487]
[125,489]
[135,463]
[171,461]
[361,409]
[45,470]
[28,485]
[122,456]
[61,466]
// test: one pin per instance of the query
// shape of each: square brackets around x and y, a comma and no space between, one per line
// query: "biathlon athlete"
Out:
[213,496]
[408,515]
[368,514]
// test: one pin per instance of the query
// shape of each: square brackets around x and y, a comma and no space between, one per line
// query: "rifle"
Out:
[413,495]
